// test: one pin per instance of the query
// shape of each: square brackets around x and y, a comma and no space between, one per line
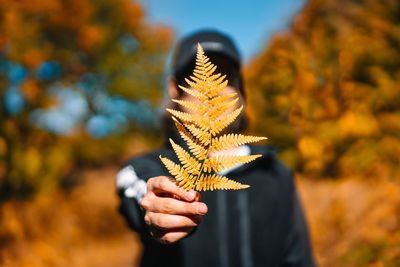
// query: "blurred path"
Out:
[353,222]
[79,229]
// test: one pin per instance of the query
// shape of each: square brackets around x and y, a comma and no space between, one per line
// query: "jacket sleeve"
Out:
[131,190]
[298,252]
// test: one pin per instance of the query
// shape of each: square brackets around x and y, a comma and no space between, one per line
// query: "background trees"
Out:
[72,72]
[327,90]
[80,87]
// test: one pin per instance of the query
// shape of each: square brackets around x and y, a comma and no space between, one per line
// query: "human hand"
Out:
[171,212]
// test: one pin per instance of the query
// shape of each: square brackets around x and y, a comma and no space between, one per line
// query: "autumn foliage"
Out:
[327,90]
[70,71]
[327,94]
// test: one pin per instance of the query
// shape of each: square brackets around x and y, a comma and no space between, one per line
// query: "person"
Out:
[259,226]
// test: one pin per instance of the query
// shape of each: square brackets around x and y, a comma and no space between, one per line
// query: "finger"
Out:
[173,237]
[164,184]
[154,203]
[170,222]
[197,197]
[174,206]
[170,237]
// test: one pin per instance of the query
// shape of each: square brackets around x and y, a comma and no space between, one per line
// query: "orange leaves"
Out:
[71,15]
[31,90]
[340,70]
[365,211]
[133,11]
[50,45]
[34,56]
[358,124]
[90,37]
[3,147]
[306,81]
[311,148]
[312,151]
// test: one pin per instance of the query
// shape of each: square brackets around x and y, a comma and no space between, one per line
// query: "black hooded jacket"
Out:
[259,226]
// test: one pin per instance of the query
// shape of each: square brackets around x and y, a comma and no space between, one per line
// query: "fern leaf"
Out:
[203,136]
[195,93]
[174,169]
[207,116]
[183,178]
[216,76]
[196,149]
[217,87]
[217,182]
[222,122]
[190,164]
[198,73]
[209,70]
[222,98]
[197,84]
[233,140]
[198,108]
[220,109]
[202,122]
[222,162]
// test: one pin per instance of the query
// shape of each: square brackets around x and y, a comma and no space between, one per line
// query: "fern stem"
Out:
[205,77]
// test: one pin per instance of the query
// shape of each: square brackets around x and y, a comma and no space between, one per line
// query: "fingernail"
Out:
[190,195]
[201,209]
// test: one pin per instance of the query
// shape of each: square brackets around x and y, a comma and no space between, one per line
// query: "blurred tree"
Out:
[70,70]
[327,91]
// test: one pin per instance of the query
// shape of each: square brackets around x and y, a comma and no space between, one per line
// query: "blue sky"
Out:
[250,23]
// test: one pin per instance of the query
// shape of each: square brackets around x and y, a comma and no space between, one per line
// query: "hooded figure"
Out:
[260,226]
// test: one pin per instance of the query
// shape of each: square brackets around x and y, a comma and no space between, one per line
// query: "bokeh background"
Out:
[81,82]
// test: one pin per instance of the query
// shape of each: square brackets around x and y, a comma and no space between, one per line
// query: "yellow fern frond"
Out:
[221,108]
[195,148]
[233,140]
[202,122]
[183,178]
[209,114]
[190,164]
[217,87]
[222,162]
[174,169]
[195,93]
[217,182]
[209,69]
[216,76]
[197,108]
[197,84]
[222,122]
[222,98]
[203,136]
